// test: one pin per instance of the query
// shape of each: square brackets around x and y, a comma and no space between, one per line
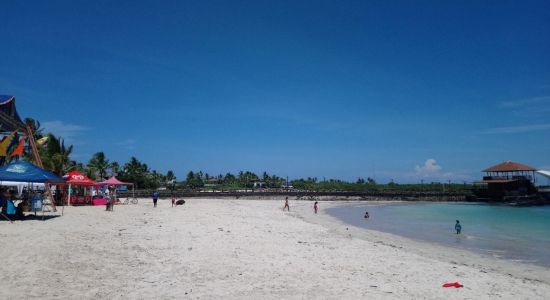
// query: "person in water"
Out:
[315,206]
[458,227]
[367,215]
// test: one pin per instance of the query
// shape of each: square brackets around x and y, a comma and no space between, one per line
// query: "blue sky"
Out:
[403,90]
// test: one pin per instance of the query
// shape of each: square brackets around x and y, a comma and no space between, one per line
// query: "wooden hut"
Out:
[507,179]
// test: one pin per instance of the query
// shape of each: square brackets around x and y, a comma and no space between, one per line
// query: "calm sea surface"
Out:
[517,233]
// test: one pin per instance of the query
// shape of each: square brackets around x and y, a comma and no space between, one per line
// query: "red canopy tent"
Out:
[78,179]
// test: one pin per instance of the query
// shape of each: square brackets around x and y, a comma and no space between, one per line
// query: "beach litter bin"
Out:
[36,204]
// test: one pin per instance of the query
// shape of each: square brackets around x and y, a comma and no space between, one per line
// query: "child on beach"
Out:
[173,200]
[458,227]
[315,206]
[286,204]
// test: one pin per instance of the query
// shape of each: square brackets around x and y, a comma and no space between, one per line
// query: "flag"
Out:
[19,150]
[4,143]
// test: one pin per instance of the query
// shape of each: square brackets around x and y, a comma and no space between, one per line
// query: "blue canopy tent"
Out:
[24,171]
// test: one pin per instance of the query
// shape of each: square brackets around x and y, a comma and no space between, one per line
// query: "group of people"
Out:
[8,209]
[287,206]
[458,227]
[175,201]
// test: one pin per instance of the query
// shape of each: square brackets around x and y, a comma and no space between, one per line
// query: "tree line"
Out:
[56,157]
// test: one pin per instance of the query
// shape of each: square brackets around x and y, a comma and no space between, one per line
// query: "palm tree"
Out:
[115,168]
[99,164]
[56,156]
[34,125]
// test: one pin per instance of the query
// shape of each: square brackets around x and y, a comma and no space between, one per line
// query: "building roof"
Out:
[509,166]
[9,118]
[544,173]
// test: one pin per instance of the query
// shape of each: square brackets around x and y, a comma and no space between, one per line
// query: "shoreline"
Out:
[440,252]
[239,249]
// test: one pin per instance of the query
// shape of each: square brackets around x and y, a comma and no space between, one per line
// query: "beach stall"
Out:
[23,171]
[84,195]
[113,181]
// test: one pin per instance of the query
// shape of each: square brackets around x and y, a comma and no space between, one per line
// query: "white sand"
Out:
[225,249]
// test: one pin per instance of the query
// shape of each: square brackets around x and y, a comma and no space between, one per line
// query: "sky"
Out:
[393,90]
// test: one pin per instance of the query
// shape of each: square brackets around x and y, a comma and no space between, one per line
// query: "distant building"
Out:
[507,180]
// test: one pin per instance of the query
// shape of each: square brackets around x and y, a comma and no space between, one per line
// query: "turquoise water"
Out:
[517,233]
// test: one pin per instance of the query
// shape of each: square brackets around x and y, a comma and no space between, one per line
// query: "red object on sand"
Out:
[453,284]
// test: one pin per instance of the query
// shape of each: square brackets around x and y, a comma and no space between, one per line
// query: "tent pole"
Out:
[113,198]
[38,160]
[69,196]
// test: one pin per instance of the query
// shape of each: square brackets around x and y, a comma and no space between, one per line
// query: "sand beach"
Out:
[240,249]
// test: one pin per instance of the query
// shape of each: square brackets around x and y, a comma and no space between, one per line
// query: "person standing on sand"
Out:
[315,207]
[458,227]
[155,198]
[286,204]
[173,200]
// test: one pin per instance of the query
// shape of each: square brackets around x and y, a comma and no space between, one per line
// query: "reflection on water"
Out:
[501,231]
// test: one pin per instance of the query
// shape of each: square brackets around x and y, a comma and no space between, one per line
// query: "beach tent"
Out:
[24,171]
[114,181]
[78,179]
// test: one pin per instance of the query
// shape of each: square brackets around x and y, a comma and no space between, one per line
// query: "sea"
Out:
[515,233]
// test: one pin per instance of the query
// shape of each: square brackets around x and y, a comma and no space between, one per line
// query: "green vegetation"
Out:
[56,158]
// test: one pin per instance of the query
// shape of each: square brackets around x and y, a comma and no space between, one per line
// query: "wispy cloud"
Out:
[517,129]
[528,106]
[64,130]
[529,101]
[129,144]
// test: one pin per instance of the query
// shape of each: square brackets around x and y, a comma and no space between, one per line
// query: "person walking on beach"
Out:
[286,204]
[458,227]
[173,200]
[155,198]
[315,207]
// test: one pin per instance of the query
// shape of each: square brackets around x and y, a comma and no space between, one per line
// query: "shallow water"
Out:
[516,233]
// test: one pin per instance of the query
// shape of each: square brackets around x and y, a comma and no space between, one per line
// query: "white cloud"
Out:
[64,130]
[517,129]
[429,168]
[431,171]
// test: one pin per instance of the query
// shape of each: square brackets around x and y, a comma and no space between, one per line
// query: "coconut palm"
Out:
[99,164]
[56,156]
